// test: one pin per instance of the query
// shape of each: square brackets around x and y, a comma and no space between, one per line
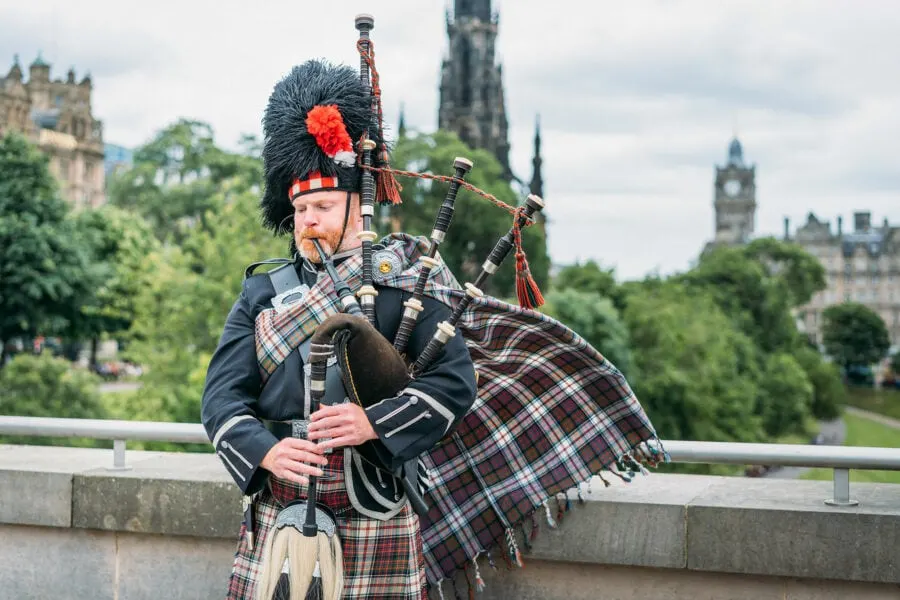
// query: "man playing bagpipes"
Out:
[387,426]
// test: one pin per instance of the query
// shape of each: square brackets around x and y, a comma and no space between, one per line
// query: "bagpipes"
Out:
[373,368]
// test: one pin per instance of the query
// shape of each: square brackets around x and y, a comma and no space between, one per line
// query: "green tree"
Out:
[45,268]
[590,277]
[829,393]
[895,364]
[786,395]
[43,386]
[745,288]
[595,319]
[694,372]
[477,224]
[799,273]
[854,334]
[180,312]
[176,174]
[120,241]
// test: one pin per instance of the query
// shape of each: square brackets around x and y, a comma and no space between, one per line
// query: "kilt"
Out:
[382,559]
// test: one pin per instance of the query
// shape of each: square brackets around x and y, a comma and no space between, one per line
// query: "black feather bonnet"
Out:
[313,123]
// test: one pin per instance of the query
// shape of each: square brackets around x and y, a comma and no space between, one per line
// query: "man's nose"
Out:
[310,219]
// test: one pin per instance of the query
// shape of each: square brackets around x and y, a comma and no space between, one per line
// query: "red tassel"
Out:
[527,290]
[388,189]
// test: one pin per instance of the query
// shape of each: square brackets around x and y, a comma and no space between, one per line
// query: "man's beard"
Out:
[329,240]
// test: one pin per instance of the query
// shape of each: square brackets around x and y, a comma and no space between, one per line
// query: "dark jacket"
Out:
[235,401]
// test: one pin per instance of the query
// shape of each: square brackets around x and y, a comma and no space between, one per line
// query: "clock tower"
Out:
[735,198]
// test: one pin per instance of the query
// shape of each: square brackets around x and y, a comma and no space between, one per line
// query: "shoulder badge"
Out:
[283,301]
[385,264]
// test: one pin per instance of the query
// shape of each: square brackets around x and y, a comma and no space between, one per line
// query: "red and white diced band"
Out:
[315,181]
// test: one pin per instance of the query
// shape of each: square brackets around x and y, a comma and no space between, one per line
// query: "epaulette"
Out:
[269,261]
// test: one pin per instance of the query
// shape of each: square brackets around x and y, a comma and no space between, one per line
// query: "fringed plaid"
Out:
[550,413]
[382,559]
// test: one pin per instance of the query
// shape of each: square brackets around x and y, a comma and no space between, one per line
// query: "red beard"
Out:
[330,241]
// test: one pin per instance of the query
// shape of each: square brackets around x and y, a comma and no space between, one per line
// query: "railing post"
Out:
[119,456]
[841,489]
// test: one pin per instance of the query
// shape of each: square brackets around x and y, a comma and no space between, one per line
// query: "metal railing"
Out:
[839,458]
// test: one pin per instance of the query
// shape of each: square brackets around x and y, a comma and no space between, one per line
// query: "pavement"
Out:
[119,386]
[895,423]
[834,432]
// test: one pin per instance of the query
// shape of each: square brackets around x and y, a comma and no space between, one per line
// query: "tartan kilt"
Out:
[382,559]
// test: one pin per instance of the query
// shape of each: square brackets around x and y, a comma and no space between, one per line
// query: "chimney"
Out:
[862,220]
[787,228]
[840,225]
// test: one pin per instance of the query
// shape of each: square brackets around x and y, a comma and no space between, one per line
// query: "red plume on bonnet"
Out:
[326,125]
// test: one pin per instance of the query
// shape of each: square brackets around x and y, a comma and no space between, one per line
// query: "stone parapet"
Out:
[72,527]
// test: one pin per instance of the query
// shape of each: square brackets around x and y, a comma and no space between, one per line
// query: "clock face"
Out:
[732,187]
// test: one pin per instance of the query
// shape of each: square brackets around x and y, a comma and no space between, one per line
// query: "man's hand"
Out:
[292,458]
[340,425]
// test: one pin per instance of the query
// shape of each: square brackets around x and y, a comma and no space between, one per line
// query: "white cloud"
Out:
[638,100]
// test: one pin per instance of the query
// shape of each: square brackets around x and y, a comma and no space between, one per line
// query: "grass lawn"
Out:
[885,402]
[864,432]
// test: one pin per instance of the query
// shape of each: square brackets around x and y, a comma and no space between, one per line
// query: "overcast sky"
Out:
[638,100]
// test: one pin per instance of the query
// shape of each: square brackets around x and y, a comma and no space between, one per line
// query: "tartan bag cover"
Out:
[550,413]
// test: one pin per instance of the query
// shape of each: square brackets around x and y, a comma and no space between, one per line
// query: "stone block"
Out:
[775,527]
[175,494]
[36,482]
[153,567]
[49,562]
[640,523]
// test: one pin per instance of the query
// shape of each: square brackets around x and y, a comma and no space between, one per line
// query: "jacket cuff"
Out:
[241,444]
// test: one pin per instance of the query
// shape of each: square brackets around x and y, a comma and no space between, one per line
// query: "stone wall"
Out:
[71,527]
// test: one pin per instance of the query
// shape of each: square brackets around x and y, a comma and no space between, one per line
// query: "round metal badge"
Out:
[386,264]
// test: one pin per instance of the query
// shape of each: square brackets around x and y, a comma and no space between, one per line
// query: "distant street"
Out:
[119,386]
[834,433]
[888,421]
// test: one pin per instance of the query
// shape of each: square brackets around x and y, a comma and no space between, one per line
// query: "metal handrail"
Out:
[783,455]
[839,458]
[104,429]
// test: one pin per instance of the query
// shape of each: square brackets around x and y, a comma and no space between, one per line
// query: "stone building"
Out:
[472,101]
[734,201]
[471,88]
[862,265]
[56,115]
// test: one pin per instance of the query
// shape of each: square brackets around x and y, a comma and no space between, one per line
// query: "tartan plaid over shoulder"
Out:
[551,412]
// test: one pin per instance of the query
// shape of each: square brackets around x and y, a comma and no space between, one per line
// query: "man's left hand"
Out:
[340,425]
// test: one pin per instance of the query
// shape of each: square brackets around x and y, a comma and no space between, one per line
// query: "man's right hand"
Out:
[292,458]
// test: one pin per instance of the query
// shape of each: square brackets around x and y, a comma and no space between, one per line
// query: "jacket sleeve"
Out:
[229,400]
[418,417]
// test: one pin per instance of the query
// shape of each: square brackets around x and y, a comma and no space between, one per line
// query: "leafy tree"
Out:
[45,268]
[694,372]
[800,273]
[180,312]
[895,364]
[755,292]
[854,334]
[829,393]
[43,386]
[589,277]
[120,241]
[176,174]
[477,224]
[785,395]
[596,320]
